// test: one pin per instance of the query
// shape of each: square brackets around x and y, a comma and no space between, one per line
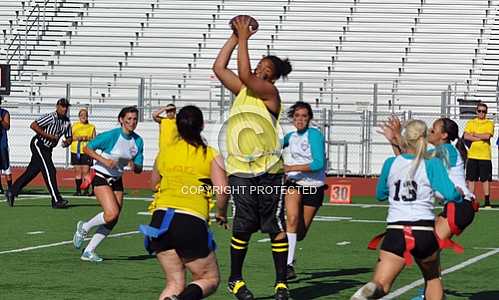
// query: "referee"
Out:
[49,128]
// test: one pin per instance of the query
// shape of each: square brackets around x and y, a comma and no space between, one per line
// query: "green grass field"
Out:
[331,263]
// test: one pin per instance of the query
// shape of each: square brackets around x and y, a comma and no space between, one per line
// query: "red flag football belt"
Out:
[410,241]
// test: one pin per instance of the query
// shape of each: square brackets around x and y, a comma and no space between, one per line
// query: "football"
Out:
[253,23]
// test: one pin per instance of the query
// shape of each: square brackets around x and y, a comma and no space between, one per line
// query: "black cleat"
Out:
[77,194]
[290,272]
[281,291]
[238,288]
[9,197]
[171,298]
[63,203]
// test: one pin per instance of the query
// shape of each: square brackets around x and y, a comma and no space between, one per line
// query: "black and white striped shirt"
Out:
[56,125]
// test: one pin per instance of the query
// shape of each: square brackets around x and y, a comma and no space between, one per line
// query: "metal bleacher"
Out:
[347,55]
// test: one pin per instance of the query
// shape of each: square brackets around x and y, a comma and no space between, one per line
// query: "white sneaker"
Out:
[91,256]
[80,235]
[364,292]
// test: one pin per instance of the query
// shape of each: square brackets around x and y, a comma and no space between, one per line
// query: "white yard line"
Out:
[464,264]
[35,232]
[61,243]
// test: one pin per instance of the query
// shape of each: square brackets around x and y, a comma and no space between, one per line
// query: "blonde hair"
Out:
[82,110]
[415,137]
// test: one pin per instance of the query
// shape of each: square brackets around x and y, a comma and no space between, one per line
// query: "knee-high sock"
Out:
[97,220]
[102,232]
[191,292]
[280,255]
[292,247]
[77,184]
[238,249]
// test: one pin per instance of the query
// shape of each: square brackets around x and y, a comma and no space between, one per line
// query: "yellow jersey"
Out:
[480,149]
[252,137]
[185,175]
[78,130]
[167,132]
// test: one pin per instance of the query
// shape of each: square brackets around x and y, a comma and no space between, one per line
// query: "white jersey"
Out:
[120,147]
[306,148]
[455,167]
[413,200]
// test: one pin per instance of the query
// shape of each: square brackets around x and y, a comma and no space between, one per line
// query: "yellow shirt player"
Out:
[185,172]
[480,145]
[253,142]
[82,132]
[479,131]
[253,154]
[178,233]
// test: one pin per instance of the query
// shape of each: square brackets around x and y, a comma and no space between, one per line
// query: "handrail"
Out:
[36,8]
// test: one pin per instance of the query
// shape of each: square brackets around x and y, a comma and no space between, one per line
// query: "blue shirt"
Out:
[117,145]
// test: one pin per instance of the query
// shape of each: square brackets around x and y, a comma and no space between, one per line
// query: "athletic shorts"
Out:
[116,184]
[464,214]
[310,195]
[4,160]
[258,203]
[187,235]
[477,169]
[426,241]
[84,160]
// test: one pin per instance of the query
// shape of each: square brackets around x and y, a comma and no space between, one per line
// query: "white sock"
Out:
[292,247]
[95,221]
[99,236]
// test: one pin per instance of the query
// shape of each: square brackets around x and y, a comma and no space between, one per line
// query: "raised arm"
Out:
[156,115]
[228,78]
[264,89]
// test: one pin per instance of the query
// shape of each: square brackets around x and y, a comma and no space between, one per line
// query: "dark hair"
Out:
[190,124]
[482,104]
[298,105]
[281,67]
[450,127]
[125,110]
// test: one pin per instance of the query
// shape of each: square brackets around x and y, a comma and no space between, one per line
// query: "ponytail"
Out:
[415,137]
[463,150]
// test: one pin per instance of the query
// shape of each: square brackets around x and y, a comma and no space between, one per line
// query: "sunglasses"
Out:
[481,111]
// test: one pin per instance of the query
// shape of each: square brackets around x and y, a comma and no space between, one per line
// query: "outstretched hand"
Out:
[243,28]
[391,129]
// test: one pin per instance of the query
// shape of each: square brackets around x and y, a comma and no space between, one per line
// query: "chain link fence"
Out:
[353,146]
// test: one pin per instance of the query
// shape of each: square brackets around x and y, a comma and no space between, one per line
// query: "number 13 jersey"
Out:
[413,200]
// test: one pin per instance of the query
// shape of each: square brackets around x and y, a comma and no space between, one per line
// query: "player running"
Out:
[120,147]
[304,159]
[409,181]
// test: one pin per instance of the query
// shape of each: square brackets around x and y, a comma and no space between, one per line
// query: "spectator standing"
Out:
[479,131]
[83,131]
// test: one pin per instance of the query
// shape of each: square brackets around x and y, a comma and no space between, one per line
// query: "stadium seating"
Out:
[109,53]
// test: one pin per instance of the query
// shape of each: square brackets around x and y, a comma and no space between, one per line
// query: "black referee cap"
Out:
[63,102]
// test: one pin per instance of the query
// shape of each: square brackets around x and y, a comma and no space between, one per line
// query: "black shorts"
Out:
[116,184]
[259,203]
[84,160]
[4,158]
[478,169]
[464,214]
[426,241]
[310,195]
[187,235]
